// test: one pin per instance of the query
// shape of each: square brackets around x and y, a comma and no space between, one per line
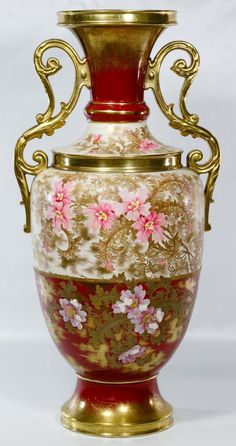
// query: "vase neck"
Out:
[117,58]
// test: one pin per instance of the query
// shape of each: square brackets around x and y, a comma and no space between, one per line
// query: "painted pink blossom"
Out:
[132,354]
[60,215]
[131,302]
[147,320]
[72,312]
[100,215]
[134,203]
[61,193]
[108,265]
[96,138]
[146,145]
[151,225]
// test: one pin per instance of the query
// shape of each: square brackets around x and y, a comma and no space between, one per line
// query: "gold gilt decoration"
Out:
[117,249]
[109,333]
[187,124]
[47,123]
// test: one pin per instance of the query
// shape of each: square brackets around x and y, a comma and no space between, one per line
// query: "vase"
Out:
[117,220]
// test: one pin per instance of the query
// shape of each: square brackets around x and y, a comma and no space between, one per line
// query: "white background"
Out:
[200,379]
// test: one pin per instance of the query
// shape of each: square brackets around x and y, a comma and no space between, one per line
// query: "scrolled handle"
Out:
[187,124]
[46,122]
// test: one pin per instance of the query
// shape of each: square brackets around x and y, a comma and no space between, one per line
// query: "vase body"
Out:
[117,232]
[117,261]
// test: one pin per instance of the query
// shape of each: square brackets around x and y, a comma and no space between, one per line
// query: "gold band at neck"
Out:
[116,17]
[152,163]
[117,112]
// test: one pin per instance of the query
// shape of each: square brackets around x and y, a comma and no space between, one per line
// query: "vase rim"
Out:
[116,17]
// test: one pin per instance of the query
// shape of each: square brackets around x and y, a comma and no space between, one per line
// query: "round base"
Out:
[117,410]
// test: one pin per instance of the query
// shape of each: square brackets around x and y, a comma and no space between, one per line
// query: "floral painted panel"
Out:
[128,142]
[113,329]
[121,226]
[117,140]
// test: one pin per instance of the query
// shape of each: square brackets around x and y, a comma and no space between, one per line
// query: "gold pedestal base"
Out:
[110,418]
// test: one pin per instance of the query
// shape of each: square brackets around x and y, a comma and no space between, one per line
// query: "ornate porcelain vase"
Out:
[117,221]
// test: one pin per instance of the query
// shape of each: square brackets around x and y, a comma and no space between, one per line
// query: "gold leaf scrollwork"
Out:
[46,122]
[187,124]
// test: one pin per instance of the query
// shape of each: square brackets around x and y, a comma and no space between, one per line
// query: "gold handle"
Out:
[187,124]
[46,122]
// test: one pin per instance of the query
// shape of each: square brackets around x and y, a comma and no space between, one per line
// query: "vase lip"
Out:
[96,17]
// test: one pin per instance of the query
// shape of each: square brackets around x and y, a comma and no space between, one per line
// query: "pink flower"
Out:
[151,225]
[100,215]
[147,320]
[146,145]
[133,203]
[130,302]
[108,266]
[61,193]
[96,138]
[132,354]
[60,215]
[72,312]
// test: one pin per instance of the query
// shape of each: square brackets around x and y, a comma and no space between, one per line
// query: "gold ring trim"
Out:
[154,163]
[117,17]
[104,430]
[117,382]
[117,112]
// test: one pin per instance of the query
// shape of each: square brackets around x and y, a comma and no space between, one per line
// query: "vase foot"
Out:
[117,410]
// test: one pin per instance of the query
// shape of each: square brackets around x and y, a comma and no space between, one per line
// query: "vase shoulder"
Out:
[118,140]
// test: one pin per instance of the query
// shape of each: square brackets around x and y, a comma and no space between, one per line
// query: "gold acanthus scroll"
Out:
[187,124]
[46,122]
